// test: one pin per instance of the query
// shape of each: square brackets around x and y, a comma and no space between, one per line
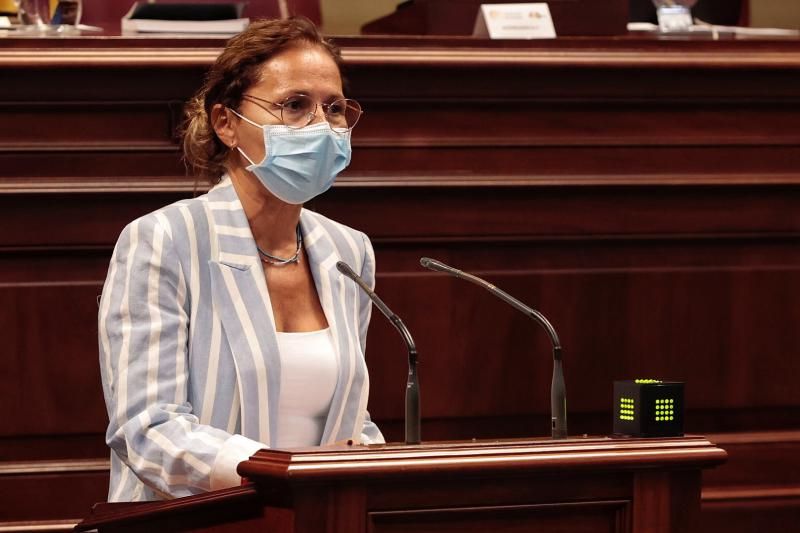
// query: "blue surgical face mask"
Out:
[299,163]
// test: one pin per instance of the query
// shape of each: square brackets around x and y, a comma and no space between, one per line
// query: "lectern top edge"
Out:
[386,481]
[463,458]
[486,445]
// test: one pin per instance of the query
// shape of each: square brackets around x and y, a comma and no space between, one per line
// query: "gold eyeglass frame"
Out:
[311,115]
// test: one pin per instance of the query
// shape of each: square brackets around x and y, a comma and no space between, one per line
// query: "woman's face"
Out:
[304,69]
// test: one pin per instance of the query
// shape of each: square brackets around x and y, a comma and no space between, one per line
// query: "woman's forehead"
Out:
[301,68]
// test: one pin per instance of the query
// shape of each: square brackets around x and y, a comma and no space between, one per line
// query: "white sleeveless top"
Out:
[309,372]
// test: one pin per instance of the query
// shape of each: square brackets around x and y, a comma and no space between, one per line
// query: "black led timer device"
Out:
[648,408]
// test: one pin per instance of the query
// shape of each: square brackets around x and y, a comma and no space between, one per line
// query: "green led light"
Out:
[664,409]
[627,408]
[646,381]
[664,417]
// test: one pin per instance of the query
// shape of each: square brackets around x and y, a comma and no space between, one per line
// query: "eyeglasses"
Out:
[299,110]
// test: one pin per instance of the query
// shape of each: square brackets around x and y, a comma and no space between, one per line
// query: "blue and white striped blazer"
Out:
[188,349]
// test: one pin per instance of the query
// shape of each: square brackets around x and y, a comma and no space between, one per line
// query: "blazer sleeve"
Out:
[370,434]
[365,304]
[143,333]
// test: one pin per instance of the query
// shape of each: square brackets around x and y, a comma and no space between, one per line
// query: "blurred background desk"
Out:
[644,194]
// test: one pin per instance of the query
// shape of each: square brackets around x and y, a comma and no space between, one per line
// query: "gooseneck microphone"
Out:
[413,416]
[558,393]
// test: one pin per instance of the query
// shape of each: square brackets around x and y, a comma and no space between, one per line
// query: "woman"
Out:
[224,325]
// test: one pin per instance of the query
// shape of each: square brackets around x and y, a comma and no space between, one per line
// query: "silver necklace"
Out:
[280,261]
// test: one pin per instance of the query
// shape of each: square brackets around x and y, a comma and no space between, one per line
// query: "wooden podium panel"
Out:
[578,485]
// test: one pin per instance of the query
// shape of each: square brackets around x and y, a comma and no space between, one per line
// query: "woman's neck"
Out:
[272,221]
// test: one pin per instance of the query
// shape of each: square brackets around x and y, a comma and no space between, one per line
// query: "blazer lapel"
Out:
[338,297]
[243,305]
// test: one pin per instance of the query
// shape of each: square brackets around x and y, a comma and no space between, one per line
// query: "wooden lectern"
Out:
[590,485]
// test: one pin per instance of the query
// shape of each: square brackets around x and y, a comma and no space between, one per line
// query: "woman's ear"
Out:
[223,122]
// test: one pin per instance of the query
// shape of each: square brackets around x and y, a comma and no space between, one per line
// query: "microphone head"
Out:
[433,264]
[344,268]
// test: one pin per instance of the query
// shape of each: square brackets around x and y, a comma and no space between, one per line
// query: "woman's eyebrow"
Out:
[308,91]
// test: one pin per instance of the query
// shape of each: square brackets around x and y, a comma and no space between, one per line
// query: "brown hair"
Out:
[237,69]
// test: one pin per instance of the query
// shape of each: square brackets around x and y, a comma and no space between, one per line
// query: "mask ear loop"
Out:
[244,118]
[245,156]
[250,122]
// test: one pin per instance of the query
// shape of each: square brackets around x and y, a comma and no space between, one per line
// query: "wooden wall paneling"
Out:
[52,270]
[758,489]
[753,453]
[94,126]
[645,122]
[74,226]
[576,140]
[643,195]
[49,491]
[78,124]
[594,309]
[720,276]
[48,385]
[750,515]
